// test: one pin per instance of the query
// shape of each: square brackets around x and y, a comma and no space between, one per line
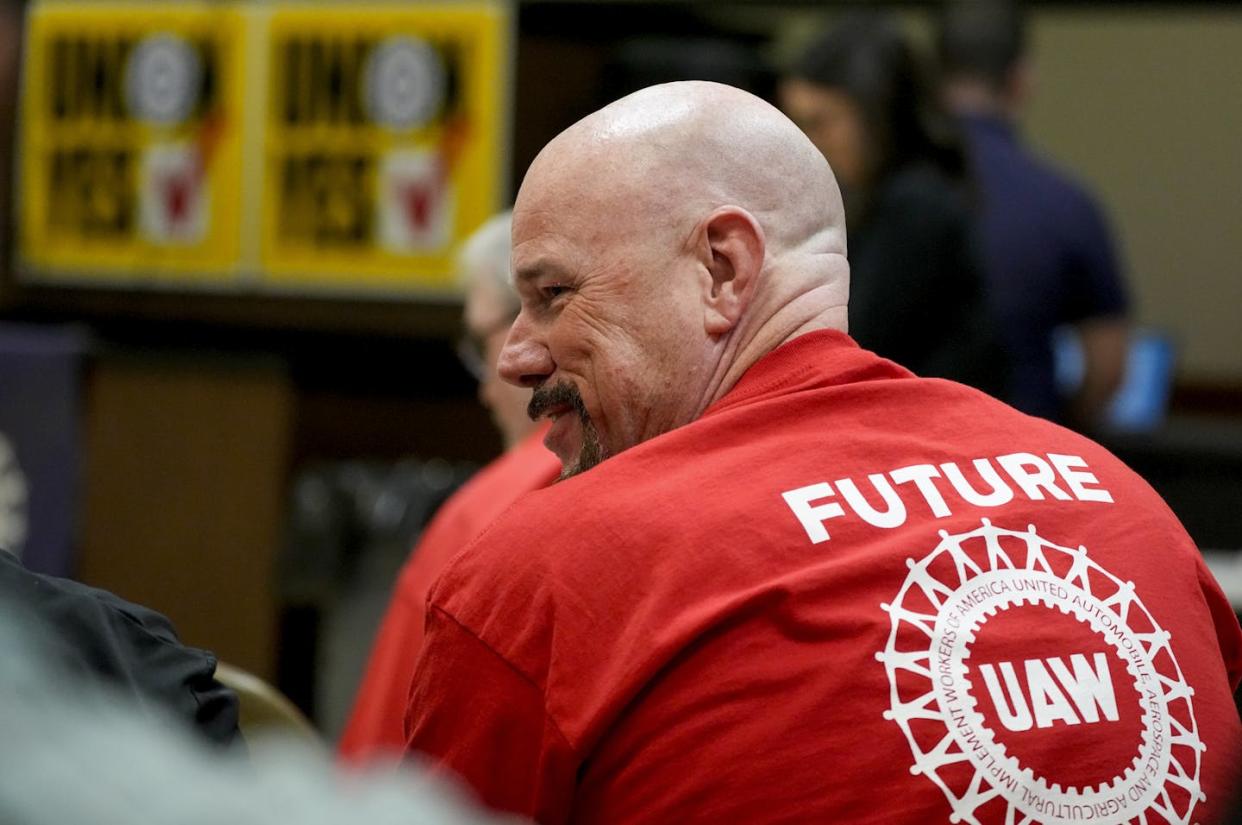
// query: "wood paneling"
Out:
[185,477]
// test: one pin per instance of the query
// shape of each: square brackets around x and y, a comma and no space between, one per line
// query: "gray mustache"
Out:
[557,395]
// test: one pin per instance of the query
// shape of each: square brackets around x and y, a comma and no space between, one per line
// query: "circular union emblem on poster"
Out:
[162,79]
[1034,686]
[13,495]
[405,83]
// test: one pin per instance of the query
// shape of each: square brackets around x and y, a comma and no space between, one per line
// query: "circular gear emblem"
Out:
[162,79]
[1087,718]
[13,495]
[405,83]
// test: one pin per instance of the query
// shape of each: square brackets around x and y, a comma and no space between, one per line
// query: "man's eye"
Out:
[550,292]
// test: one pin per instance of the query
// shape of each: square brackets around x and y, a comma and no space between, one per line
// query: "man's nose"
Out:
[525,360]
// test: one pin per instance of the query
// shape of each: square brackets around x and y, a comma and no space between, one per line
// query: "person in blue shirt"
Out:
[1048,256]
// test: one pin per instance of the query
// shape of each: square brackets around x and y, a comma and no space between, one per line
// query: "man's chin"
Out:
[569,465]
[574,464]
[574,440]
[585,456]
[575,469]
[564,439]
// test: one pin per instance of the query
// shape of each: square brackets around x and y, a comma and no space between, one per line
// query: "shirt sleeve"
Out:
[476,715]
[103,639]
[1096,288]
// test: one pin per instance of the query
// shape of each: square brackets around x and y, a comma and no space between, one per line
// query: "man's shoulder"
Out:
[699,475]
[77,609]
[560,515]
[583,532]
[726,498]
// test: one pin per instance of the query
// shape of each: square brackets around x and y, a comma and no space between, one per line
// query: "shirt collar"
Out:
[817,359]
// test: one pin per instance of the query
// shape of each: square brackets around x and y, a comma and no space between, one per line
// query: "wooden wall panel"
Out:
[185,480]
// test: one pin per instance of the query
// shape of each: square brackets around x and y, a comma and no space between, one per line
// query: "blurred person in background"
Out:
[1048,255]
[488,312]
[78,751]
[916,295]
[376,724]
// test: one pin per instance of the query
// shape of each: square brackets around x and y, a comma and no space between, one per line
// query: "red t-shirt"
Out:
[377,722]
[844,594]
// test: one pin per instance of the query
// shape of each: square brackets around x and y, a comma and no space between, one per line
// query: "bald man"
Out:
[784,580]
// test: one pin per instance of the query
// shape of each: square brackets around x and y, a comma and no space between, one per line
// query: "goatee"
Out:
[546,398]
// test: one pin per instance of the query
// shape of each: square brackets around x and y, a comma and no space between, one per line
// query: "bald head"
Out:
[661,246]
[679,150]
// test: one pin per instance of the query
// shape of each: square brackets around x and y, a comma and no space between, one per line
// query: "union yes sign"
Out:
[280,146]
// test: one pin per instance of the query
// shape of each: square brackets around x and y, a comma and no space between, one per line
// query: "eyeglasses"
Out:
[472,347]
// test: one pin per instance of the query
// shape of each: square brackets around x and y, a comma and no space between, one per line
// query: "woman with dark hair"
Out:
[860,94]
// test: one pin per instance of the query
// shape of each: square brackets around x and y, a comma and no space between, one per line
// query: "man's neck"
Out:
[818,302]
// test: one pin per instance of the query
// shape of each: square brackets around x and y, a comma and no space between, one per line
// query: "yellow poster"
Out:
[131,142]
[383,141]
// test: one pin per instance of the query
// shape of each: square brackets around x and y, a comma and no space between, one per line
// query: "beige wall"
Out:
[1146,108]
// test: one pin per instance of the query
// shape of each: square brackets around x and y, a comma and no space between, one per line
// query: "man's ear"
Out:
[732,248]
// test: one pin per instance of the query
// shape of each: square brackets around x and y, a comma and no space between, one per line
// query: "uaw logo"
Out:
[1032,685]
